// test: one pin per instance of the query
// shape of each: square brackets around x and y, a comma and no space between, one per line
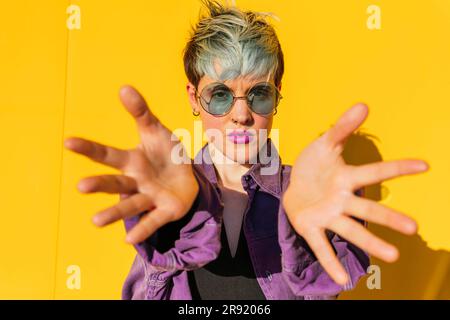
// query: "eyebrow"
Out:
[246,91]
[259,80]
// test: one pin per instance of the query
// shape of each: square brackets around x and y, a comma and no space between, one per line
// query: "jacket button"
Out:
[269,275]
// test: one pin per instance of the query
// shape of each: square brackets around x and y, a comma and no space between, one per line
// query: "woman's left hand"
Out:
[320,196]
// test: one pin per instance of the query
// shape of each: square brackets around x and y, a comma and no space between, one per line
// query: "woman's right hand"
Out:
[150,180]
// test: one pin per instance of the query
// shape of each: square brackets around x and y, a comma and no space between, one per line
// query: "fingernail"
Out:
[67,143]
[97,220]
[125,90]
[129,239]
[341,277]
[411,228]
[392,254]
[82,187]
[422,166]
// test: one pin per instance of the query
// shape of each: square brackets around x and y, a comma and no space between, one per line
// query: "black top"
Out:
[227,277]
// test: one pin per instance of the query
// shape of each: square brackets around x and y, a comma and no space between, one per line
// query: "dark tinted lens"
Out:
[263,98]
[217,99]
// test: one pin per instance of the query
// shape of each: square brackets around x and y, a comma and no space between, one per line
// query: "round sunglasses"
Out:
[218,99]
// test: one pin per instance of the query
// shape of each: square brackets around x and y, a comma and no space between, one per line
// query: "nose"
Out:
[241,112]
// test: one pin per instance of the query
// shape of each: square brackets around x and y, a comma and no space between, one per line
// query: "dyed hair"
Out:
[242,42]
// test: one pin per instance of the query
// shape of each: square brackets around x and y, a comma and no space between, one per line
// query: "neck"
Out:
[230,171]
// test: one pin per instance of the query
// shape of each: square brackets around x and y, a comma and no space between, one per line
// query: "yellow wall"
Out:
[56,82]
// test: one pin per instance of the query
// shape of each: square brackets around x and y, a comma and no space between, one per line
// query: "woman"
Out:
[210,228]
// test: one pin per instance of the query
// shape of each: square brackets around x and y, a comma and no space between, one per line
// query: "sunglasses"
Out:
[217,99]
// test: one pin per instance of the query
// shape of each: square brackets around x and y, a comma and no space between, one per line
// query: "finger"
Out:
[124,196]
[108,184]
[127,208]
[137,107]
[319,244]
[374,173]
[357,234]
[148,225]
[372,211]
[109,156]
[347,124]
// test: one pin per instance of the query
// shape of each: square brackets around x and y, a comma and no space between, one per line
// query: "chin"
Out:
[242,153]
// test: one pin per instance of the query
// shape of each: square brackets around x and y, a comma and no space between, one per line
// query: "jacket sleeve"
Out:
[185,244]
[303,272]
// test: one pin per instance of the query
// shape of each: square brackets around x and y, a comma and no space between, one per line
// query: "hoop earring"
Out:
[276,111]
[196,114]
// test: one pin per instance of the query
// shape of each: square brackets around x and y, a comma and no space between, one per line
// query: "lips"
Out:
[240,137]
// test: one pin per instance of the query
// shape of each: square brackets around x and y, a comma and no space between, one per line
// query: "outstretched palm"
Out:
[150,180]
[321,196]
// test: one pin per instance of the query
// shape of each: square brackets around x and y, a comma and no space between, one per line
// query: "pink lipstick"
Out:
[240,136]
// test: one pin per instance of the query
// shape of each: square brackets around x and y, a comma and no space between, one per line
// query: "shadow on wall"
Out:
[420,273]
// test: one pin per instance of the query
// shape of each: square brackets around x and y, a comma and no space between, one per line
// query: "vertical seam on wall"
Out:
[436,281]
[63,126]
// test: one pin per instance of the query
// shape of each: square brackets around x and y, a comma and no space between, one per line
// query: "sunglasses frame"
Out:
[249,103]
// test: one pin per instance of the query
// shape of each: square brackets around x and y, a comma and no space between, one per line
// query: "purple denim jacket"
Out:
[284,265]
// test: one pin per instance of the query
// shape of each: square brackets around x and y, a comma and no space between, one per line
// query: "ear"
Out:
[190,88]
[279,87]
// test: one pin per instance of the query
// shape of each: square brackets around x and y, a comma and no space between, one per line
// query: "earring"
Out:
[196,114]
[276,111]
